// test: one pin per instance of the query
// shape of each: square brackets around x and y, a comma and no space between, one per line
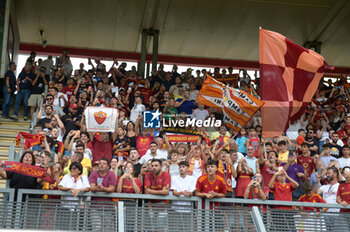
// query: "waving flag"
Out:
[238,106]
[289,77]
[100,119]
[30,139]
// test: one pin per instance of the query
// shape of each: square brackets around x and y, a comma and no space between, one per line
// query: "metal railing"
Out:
[138,212]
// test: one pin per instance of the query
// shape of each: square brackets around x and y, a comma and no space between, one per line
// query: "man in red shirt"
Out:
[143,140]
[306,161]
[343,194]
[211,185]
[157,182]
[311,197]
[282,190]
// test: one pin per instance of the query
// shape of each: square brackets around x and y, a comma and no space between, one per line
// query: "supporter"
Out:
[296,172]
[268,167]
[244,173]
[143,139]
[156,181]
[197,162]
[77,157]
[321,171]
[312,141]
[211,185]
[24,86]
[48,65]
[116,166]
[122,144]
[325,155]
[307,162]
[46,120]
[241,141]
[134,159]
[225,168]
[31,60]
[130,133]
[301,137]
[137,110]
[343,194]
[253,140]
[9,89]
[283,155]
[153,154]
[256,189]
[37,90]
[251,160]
[345,159]
[335,148]
[311,197]
[127,183]
[222,138]
[75,181]
[282,190]
[161,150]
[72,120]
[172,166]
[329,191]
[49,101]
[19,181]
[58,100]
[102,180]
[57,123]
[184,105]
[170,111]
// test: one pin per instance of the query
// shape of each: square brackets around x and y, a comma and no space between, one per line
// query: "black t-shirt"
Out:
[313,142]
[132,140]
[69,122]
[12,77]
[137,169]
[39,86]
[19,181]
[336,151]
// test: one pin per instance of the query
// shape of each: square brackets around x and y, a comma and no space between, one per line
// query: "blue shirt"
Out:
[251,163]
[240,142]
[327,159]
[23,83]
[186,106]
[12,77]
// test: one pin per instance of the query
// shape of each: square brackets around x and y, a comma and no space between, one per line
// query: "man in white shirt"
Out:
[152,155]
[48,64]
[137,109]
[160,151]
[200,113]
[183,185]
[345,160]
[329,192]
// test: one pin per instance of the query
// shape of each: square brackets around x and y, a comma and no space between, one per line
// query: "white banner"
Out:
[100,119]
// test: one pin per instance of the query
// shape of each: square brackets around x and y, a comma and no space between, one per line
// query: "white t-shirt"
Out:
[146,157]
[330,195]
[197,171]
[199,114]
[163,153]
[343,162]
[181,184]
[59,100]
[69,182]
[135,111]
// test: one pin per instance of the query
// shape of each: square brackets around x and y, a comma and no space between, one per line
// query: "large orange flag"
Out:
[238,106]
[289,77]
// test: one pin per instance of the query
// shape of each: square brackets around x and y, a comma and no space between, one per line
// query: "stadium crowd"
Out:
[310,162]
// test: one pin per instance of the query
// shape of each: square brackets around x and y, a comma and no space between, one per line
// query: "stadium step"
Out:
[8,132]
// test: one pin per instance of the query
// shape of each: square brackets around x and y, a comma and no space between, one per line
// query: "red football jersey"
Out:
[267,174]
[205,186]
[315,198]
[283,193]
[157,182]
[127,186]
[308,164]
[344,193]
[143,144]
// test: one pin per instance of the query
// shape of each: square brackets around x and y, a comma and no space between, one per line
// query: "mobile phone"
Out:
[66,153]
[204,143]
[280,168]
[120,158]
[319,171]
[194,143]
[253,178]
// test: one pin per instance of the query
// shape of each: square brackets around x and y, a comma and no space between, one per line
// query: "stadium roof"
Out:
[224,29]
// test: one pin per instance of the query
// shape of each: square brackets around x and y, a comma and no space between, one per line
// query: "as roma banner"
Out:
[238,106]
[100,119]
[27,170]
[183,138]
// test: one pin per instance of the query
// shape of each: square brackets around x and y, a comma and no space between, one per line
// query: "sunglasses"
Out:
[50,98]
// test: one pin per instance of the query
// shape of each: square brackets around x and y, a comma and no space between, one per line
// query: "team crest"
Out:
[100,117]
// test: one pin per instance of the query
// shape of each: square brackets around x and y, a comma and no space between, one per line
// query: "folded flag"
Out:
[30,139]
[238,106]
[289,77]
[100,119]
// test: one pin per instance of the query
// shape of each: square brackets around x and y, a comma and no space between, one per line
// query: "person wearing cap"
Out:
[71,120]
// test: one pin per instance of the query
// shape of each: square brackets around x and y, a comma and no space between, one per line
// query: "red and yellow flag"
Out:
[30,139]
[238,106]
[289,77]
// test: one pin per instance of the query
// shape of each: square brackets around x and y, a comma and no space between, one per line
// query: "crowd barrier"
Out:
[139,212]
